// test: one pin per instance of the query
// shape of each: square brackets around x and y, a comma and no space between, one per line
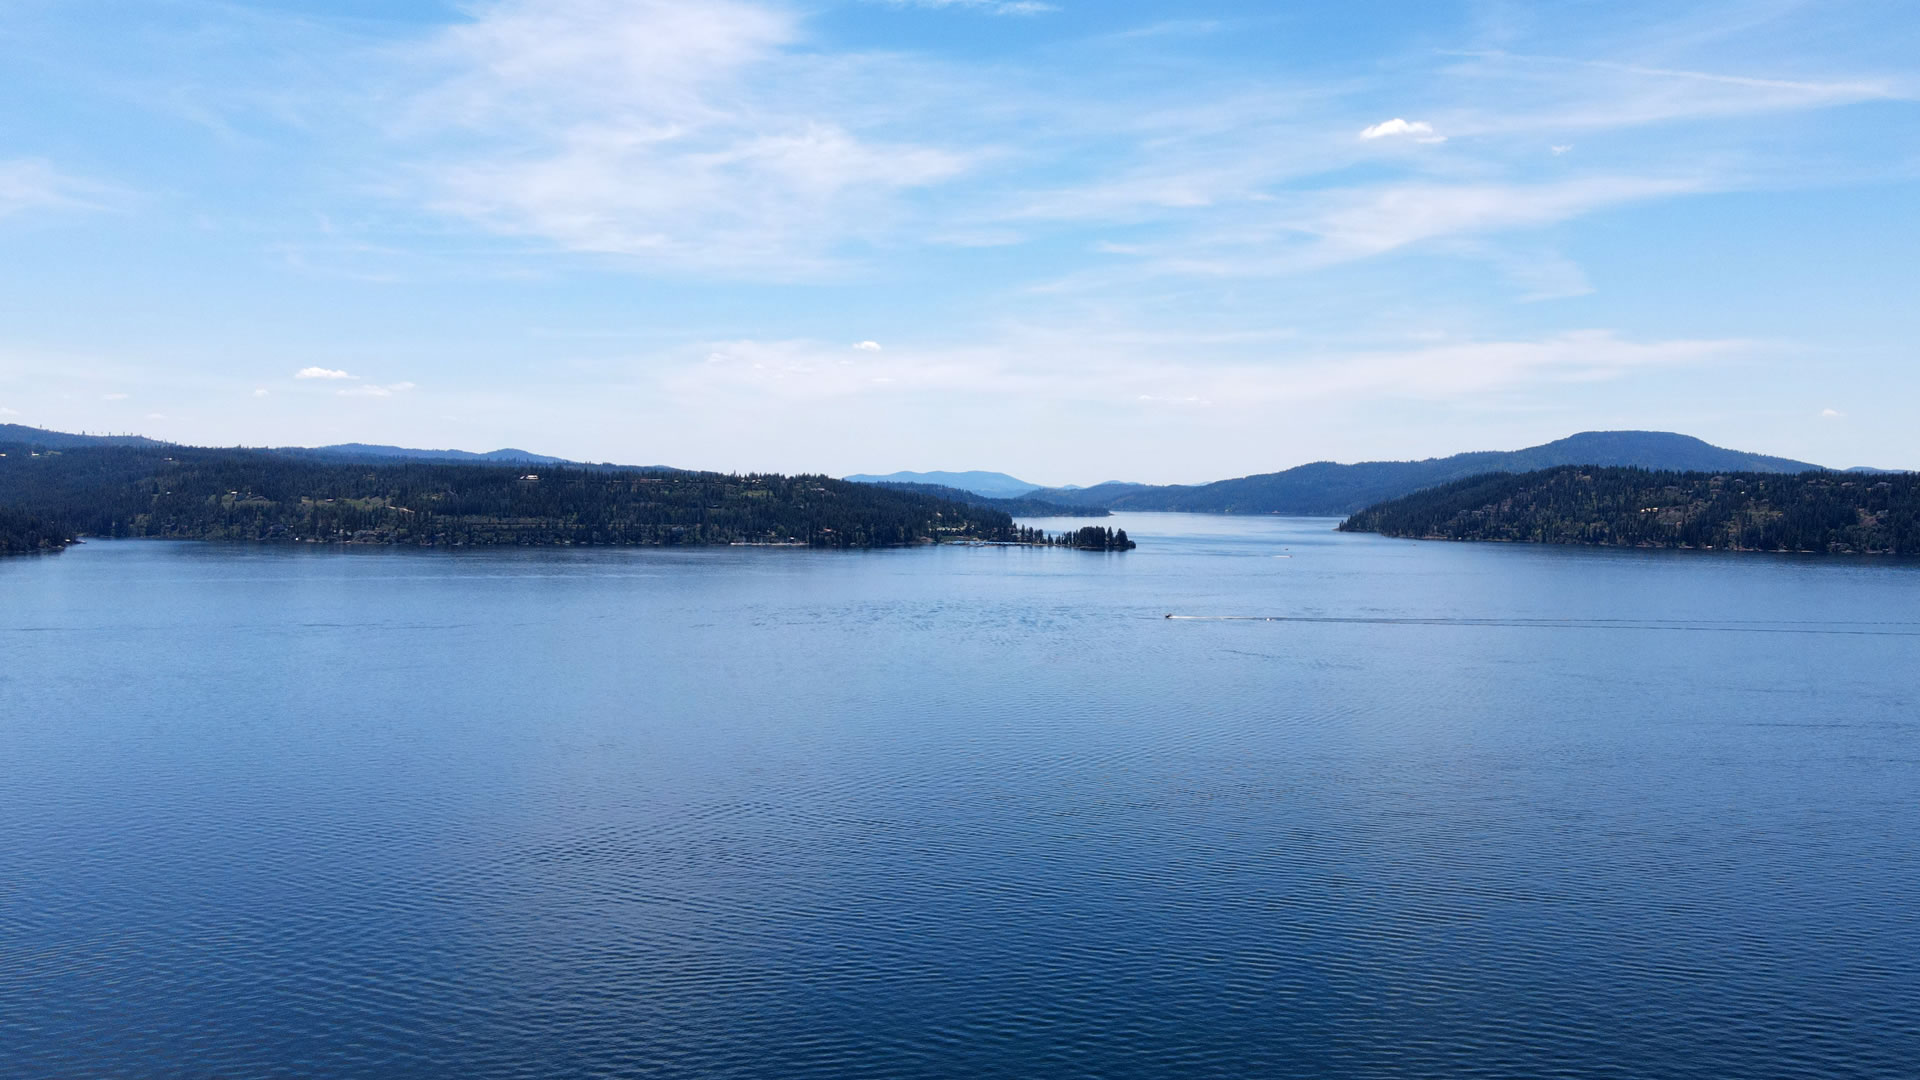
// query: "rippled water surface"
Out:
[1369,808]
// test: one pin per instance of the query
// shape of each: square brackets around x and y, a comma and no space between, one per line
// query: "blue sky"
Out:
[1074,241]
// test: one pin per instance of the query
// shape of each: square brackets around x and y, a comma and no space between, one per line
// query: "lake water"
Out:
[1390,809]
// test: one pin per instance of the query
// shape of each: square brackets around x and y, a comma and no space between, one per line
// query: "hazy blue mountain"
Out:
[364,453]
[1326,487]
[991,484]
[1018,506]
[372,452]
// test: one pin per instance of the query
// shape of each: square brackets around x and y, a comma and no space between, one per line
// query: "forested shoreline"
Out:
[22,534]
[1827,512]
[48,497]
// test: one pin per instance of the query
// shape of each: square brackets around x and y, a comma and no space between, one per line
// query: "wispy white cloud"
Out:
[1368,222]
[1294,232]
[867,346]
[680,134]
[1502,93]
[322,373]
[34,184]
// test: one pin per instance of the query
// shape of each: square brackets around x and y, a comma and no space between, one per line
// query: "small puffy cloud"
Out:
[1560,149]
[322,373]
[867,346]
[1831,414]
[260,392]
[1417,130]
[376,390]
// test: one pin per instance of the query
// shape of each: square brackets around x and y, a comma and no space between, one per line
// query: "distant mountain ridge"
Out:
[993,485]
[1329,488]
[1019,506]
[362,453]
[370,451]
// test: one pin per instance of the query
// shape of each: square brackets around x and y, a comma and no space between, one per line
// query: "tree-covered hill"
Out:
[1623,507]
[43,439]
[193,493]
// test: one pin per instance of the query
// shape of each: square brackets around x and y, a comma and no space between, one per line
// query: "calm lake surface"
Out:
[1455,810]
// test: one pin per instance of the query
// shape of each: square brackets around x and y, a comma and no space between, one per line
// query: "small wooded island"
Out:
[50,497]
[1826,512]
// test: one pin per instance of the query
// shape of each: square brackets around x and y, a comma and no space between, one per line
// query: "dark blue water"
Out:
[1413,810]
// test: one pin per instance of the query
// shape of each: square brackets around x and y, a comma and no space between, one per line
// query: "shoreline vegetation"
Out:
[26,534]
[50,498]
[1807,513]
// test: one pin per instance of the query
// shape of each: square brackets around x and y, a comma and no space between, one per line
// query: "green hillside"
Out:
[207,494]
[1619,507]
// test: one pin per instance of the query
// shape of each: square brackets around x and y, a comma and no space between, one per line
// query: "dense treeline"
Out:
[212,494]
[21,533]
[1815,511]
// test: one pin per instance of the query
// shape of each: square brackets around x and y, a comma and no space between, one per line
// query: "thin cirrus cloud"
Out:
[1299,232]
[28,184]
[1515,94]
[323,373]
